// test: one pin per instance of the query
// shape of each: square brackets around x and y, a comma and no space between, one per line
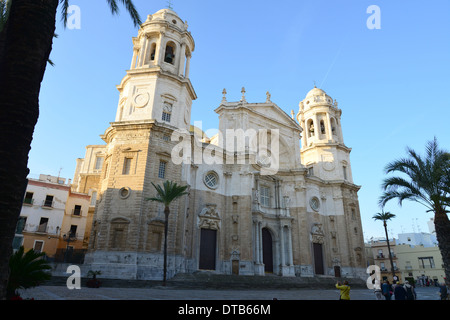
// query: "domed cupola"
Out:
[316,97]
[319,117]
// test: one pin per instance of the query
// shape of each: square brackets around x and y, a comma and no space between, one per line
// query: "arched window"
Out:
[322,126]
[152,51]
[169,55]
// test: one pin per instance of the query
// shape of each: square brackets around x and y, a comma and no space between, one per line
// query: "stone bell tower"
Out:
[323,150]
[157,86]
[155,99]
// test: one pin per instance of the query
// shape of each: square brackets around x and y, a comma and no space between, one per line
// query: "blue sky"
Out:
[392,84]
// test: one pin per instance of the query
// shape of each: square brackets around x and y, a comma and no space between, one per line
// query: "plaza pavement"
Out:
[168,293]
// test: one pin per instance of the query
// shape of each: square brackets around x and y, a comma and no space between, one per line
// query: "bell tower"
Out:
[157,85]
[155,99]
[323,150]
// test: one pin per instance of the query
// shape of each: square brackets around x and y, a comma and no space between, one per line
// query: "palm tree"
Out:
[25,44]
[27,270]
[165,195]
[385,216]
[425,180]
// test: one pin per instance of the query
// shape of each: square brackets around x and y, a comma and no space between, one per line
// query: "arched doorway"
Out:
[208,240]
[267,250]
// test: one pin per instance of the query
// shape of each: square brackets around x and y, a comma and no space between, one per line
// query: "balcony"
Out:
[77,212]
[47,204]
[28,201]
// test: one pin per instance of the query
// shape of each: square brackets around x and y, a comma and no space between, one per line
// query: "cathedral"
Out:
[282,202]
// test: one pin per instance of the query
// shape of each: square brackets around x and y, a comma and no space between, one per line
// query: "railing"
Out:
[77,212]
[47,203]
[28,201]
[41,229]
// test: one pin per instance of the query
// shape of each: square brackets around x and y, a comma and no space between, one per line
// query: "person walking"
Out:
[386,290]
[443,292]
[399,292]
[410,292]
[344,293]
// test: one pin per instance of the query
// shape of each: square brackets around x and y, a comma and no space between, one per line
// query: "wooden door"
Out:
[267,250]
[318,258]
[207,259]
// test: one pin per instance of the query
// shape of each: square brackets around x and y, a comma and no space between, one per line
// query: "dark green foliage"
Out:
[27,270]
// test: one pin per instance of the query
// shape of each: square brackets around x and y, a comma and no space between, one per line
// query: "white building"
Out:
[418,239]
[43,211]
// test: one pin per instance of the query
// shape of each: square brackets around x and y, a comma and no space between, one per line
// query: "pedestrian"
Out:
[344,293]
[410,292]
[443,292]
[386,289]
[378,294]
[399,292]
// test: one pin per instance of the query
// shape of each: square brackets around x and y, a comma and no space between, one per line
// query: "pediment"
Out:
[272,113]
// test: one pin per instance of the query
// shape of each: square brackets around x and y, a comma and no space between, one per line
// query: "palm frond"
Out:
[383,216]
[168,192]
[27,270]
[132,11]
[5,5]
[424,181]
[64,11]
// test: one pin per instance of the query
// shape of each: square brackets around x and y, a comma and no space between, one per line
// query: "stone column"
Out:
[282,241]
[291,258]
[329,132]
[133,60]
[142,52]
[188,63]
[161,49]
[181,59]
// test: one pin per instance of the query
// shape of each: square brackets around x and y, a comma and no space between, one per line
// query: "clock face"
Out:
[141,99]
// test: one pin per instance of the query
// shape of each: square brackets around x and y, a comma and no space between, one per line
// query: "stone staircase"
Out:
[210,280]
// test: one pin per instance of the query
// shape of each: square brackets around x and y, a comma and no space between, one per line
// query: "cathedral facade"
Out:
[282,202]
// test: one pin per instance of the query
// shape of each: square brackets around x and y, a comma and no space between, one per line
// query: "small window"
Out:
[162,169]
[166,116]
[124,192]
[28,198]
[211,180]
[310,171]
[38,246]
[265,196]
[344,170]
[77,210]
[48,202]
[314,203]
[126,166]
[167,112]
[98,163]
[166,137]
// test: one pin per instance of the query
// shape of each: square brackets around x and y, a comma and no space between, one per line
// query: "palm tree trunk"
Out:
[25,45]
[166,228]
[389,251]
[442,227]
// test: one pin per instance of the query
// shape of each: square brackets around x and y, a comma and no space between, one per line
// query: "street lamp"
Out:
[68,237]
